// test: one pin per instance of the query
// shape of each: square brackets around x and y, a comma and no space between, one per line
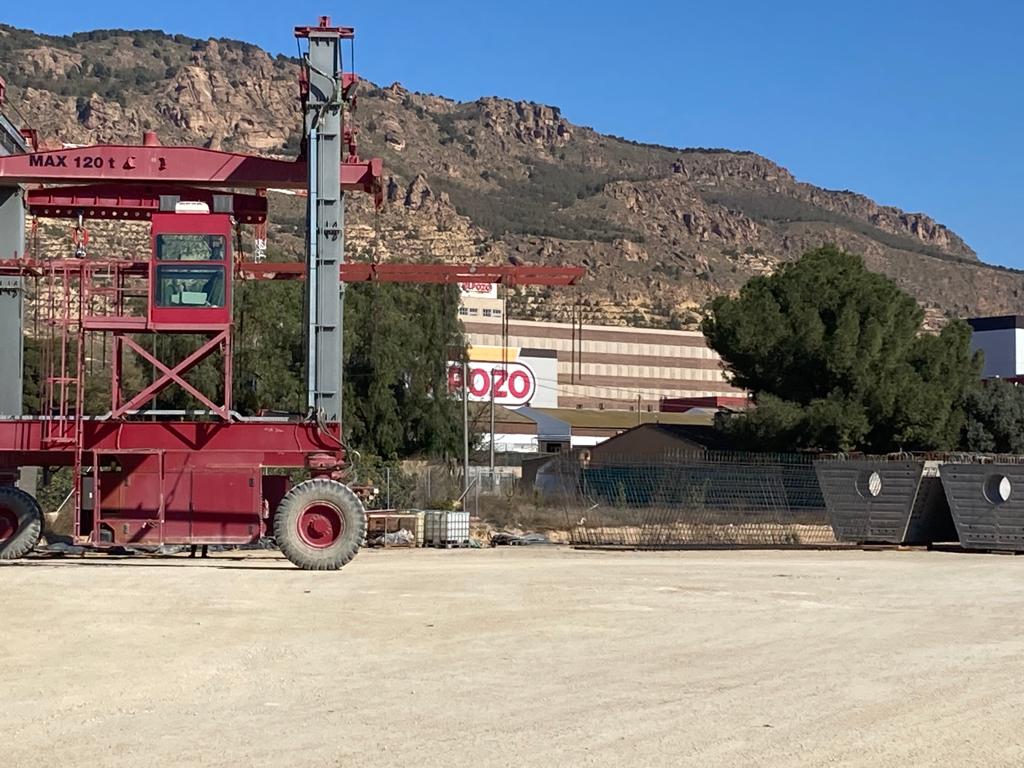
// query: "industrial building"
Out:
[595,367]
[557,386]
[1001,339]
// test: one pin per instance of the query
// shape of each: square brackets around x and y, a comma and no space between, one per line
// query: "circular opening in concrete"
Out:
[869,484]
[998,489]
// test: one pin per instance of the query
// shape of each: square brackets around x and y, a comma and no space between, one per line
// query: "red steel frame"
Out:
[115,201]
[181,480]
[193,166]
[436,274]
[169,375]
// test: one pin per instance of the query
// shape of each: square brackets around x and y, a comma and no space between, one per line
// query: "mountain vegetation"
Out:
[661,230]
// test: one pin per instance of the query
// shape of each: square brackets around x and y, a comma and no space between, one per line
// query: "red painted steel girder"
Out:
[174,375]
[351,272]
[133,164]
[324,27]
[129,202]
[441,274]
[267,443]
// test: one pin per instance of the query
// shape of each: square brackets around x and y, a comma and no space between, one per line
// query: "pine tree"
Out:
[836,360]
[398,341]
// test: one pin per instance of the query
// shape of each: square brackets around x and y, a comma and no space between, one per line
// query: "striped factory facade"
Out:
[608,367]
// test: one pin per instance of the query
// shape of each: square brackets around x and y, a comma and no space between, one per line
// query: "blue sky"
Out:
[916,104]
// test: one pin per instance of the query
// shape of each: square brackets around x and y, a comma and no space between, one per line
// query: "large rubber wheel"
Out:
[319,525]
[21,523]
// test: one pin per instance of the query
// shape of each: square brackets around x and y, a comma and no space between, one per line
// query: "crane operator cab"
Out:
[189,271]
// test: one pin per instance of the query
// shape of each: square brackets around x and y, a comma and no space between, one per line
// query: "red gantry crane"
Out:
[146,477]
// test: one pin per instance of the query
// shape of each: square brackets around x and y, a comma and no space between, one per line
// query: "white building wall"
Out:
[510,443]
[586,441]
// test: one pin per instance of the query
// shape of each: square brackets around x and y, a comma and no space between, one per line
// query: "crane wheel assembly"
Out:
[21,523]
[319,525]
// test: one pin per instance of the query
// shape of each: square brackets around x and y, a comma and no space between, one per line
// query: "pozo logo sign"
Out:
[480,290]
[510,383]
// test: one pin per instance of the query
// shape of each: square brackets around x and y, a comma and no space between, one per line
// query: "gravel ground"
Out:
[517,657]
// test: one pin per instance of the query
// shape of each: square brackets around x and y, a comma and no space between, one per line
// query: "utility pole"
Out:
[572,349]
[465,429]
[493,483]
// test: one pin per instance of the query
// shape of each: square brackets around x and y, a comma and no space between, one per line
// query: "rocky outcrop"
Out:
[393,135]
[525,122]
[230,95]
[52,62]
[419,193]
[716,167]
[888,219]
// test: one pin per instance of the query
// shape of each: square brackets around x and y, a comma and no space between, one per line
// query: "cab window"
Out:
[196,286]
[190,247]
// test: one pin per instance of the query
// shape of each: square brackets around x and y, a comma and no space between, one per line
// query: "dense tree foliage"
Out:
[836,360]
[398,339]
[995,418]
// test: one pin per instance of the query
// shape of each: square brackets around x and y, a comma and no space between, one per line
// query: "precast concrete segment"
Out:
[885,502]
[987,504]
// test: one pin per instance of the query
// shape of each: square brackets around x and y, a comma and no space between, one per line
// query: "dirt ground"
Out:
[516,657]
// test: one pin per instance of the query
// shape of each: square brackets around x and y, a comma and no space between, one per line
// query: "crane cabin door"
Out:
[123,500]
[226,505]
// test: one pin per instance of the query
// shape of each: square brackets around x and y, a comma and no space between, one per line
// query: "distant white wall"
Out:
[546,371]
[586,441]
[1004,351]
[506,443]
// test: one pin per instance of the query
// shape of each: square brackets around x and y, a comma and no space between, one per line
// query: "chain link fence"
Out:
[423,485]
[676,500]
[701,499]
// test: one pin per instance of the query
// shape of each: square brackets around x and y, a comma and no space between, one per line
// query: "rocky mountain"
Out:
[661,230]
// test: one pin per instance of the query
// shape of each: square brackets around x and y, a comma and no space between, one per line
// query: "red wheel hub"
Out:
[321,524]
[8,523]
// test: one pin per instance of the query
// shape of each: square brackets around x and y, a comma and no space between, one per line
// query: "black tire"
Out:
[338,519]
[21,525]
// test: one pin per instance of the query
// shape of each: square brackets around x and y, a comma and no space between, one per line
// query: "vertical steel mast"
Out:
[323,102]
[12,246]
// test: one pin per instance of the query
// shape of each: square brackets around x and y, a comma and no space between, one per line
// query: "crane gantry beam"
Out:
[152,163]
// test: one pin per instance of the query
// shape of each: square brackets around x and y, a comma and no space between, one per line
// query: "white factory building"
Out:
[561,386]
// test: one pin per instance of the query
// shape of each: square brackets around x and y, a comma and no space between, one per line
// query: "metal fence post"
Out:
[465,427]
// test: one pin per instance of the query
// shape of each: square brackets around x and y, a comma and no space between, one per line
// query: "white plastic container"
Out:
[445,529]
